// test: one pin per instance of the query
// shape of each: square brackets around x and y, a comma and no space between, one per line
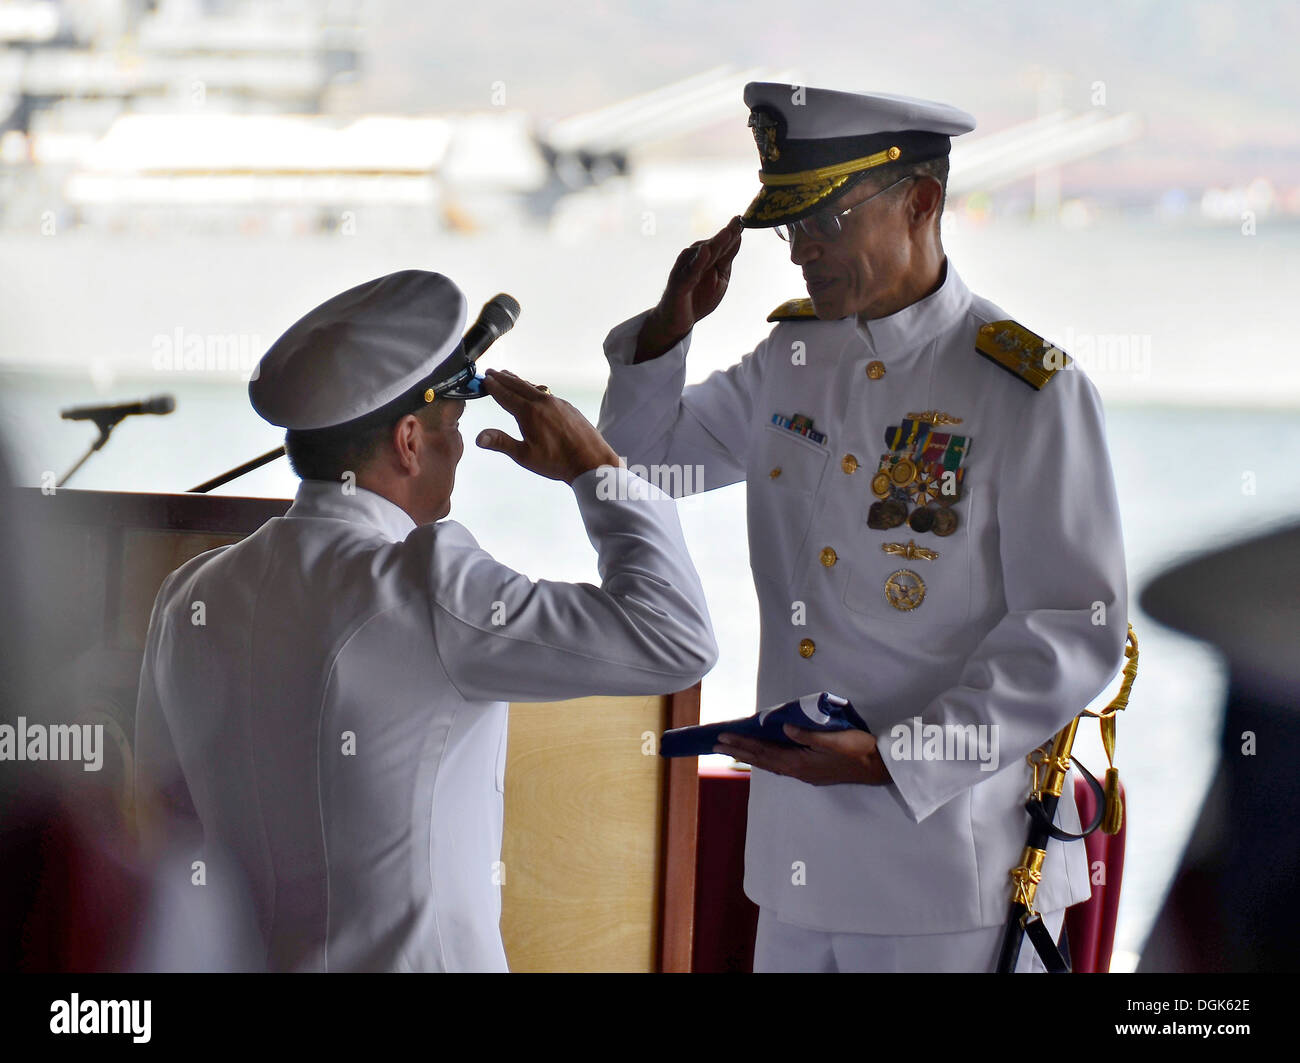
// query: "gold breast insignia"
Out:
[904,590]
[934,417]
[909,551]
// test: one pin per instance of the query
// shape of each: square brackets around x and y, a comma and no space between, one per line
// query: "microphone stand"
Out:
[105,424]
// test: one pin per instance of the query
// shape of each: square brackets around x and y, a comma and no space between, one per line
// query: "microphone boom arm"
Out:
[238,471]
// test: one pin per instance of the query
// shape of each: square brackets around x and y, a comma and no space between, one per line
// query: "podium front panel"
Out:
[599,834]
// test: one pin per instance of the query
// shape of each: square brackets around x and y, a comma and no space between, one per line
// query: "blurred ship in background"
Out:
[236,116]
[147,134]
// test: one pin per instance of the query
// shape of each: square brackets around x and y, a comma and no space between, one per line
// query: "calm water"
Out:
[1210,312]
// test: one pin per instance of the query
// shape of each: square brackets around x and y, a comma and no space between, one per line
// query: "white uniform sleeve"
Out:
[649,418]
[644,630]
[1062,638]
[165,815]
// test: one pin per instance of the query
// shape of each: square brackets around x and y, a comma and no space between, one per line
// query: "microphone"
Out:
[497,317]
[106,418]
[456,377]
[112,414]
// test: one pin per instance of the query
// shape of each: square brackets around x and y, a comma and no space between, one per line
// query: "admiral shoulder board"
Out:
[1019,351]
[793,310]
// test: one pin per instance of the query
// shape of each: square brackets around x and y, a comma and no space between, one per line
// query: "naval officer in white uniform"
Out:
[933,532]
[325,701]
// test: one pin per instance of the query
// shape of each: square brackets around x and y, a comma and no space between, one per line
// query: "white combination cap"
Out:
[813,142]
[394,338]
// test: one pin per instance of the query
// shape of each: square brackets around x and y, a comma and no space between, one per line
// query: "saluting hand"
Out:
[558,442]
[832,756]
[696,285]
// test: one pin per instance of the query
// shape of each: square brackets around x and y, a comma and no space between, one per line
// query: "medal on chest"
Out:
[918,482]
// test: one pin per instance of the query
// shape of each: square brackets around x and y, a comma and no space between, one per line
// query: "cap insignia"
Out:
[765,128]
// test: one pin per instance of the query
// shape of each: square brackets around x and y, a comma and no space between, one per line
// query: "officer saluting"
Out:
[336,727]
[933,532]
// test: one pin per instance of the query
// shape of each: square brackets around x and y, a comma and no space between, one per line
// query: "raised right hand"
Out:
[696,285]
[558,442]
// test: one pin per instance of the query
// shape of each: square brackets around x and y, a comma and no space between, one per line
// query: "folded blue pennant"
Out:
[814,712]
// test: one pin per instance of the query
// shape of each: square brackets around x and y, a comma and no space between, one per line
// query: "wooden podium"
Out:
[599,834]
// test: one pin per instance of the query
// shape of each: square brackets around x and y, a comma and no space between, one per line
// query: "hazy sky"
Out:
[1215,82]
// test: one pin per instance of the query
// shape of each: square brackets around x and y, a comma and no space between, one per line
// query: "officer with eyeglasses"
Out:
[827,224]
[933,532]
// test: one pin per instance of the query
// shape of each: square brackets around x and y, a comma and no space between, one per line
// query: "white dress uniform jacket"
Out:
[1011,631]
[337,722]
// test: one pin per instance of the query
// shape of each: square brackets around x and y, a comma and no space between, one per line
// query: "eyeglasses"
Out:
[826,224]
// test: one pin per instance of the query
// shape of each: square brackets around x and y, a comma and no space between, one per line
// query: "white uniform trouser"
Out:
[783,947]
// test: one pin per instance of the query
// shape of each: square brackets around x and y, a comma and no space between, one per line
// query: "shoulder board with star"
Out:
[793,310]
[1021,352]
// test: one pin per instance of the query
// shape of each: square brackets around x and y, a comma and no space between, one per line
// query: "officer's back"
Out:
[324,703]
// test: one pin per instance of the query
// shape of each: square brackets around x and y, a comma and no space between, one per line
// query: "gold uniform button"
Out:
[775,472]
[849,464]
[875,370]
[807,648]
[829,556]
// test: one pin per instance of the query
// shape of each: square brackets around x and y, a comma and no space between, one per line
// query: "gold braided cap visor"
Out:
[829,167]
[790,196]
